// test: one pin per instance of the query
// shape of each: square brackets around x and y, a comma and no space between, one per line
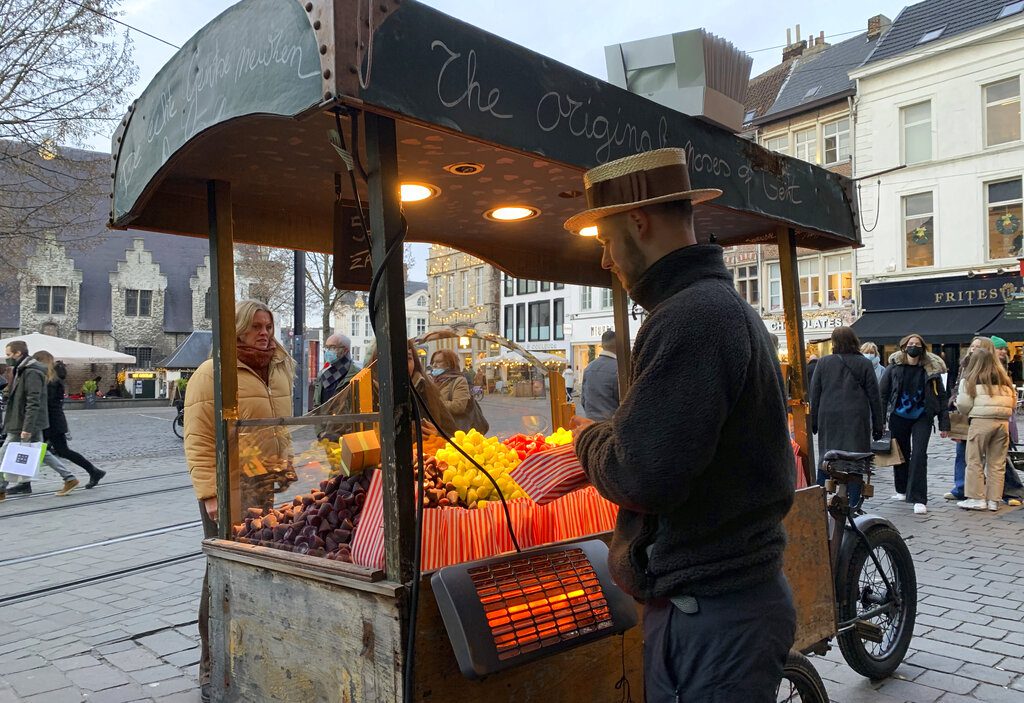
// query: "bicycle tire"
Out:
[178,425]
[855,588]
[801,682]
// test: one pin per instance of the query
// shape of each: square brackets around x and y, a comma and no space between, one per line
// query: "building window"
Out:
[1005,219]
[545,286]
[367,329]
[809,271]
[51,300]
[917,132]
[747,284]
[540,321]
[606,297]
[521,322]
[421,326]
[478,285]
[354,327]
[357,354]
[464,281]
[558,323]
[806,144]
[780,144]
[421,302]
[450,292]
[837,141]
[524,286]
[208,305]
[510,286]
[586,297]
[559,286]
[919,230]
[1002,112]
[143,356]
[138,303]
[774,286]
[510,321]
[839,279]
[437,291]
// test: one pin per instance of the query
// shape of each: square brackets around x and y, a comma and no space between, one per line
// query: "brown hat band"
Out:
[636,186]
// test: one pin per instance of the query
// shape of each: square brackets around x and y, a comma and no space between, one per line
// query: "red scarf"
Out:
[257,359]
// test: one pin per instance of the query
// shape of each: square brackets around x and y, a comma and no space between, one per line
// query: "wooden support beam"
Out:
[620,308]
[225,353]
[798,404]
[396,422]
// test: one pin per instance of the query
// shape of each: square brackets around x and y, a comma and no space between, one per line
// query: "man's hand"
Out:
[577,424]
[211,507]
[944,435]
[26,436]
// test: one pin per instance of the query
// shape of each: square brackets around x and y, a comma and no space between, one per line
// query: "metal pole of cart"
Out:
[225,351]
[396,416]
[299,339]
[786,237]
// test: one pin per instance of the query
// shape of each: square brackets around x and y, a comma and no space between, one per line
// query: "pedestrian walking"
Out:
[1016,367]
[266,373]
[600,394]
[27,414]
[338,371]
[1013,489]
[702,482]
[569,376]
[986,395]
[812,364]
[870,352]
[960,458]
[454,392]
[56,435]
[914,397]
[846,410]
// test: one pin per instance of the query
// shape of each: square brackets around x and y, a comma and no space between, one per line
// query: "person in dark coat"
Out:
[56,435]
[914,396]
[846,410]
[702,480]
[600,395]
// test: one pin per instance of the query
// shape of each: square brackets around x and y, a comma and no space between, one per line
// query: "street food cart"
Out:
[301,125]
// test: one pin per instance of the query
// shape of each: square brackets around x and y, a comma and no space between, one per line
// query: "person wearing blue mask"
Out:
[455,395]
[870,352]
[338,370]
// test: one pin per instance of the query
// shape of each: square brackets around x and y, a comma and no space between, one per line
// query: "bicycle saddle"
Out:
[839,455]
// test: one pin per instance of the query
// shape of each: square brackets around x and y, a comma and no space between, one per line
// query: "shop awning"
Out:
[68,350]
[1009,329]
[936,325]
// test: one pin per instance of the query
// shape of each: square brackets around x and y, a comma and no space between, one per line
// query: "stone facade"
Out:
[50,268]
[463,290]
[131,325]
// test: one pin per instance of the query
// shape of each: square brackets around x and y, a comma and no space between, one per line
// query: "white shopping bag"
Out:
[23,459]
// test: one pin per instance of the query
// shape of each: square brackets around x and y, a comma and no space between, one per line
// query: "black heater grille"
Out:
[508,610]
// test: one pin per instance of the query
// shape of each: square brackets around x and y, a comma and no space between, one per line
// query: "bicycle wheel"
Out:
[800,682]
[178,425]
[862,589]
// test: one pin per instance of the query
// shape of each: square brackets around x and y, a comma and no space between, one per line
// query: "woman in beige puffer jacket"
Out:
[986,395]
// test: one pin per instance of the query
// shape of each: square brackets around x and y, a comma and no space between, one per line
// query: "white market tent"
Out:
[68,350]
[515,358]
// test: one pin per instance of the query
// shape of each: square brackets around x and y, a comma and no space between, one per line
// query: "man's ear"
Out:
[639,224]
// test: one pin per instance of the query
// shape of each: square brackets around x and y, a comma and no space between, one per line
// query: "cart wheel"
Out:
[800,682]
[861,589]
[178,425]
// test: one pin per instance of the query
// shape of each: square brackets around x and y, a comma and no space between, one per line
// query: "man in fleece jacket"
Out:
[697,457]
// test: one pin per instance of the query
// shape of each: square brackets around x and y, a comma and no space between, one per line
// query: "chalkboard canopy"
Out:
[249,100]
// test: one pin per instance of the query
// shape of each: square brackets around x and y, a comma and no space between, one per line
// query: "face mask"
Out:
[11,361]
[914,352]
[436,372]
[330,356]
[873,358]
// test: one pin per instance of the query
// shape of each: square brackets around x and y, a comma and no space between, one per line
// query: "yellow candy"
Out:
[481,504]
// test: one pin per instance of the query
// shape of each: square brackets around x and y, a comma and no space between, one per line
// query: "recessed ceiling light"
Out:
[416,192]
[570,194]
[590,231]
[464,168]
[512,213]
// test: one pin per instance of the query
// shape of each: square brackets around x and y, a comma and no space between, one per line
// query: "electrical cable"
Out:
[878,202]
[123,24]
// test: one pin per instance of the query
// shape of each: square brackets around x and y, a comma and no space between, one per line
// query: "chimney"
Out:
[793,49]
[817,44]
[878,25]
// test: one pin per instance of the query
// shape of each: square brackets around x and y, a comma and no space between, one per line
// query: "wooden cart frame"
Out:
[231,142]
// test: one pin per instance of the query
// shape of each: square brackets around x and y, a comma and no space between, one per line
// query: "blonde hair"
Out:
[985,370]
[245,312]
[868,348]
[46,358]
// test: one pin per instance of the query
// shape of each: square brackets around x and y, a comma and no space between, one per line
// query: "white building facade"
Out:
[533,314]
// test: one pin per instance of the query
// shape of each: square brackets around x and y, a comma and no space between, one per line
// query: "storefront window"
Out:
[559,321]
[809,271]
[917,132]
[747,284]
[1002,112]
[1005,219]
[837,141]
[919,230]
[839,277]
[540,321]
[806,144]
[774,286]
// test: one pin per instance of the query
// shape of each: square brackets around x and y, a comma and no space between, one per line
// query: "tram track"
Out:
[101,543]
[68,506]
[106,484]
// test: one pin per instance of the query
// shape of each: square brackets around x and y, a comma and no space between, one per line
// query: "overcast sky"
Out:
[574,32]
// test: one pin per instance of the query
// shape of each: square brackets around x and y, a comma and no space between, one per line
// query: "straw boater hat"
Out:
[632,182]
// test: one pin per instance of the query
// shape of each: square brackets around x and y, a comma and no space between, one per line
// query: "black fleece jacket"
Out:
[697,456]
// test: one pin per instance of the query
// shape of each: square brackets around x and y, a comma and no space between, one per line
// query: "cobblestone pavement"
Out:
[133,637]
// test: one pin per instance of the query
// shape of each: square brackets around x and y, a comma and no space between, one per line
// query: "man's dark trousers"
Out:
[731,650]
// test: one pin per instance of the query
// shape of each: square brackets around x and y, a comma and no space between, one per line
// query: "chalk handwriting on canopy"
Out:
[259,56]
